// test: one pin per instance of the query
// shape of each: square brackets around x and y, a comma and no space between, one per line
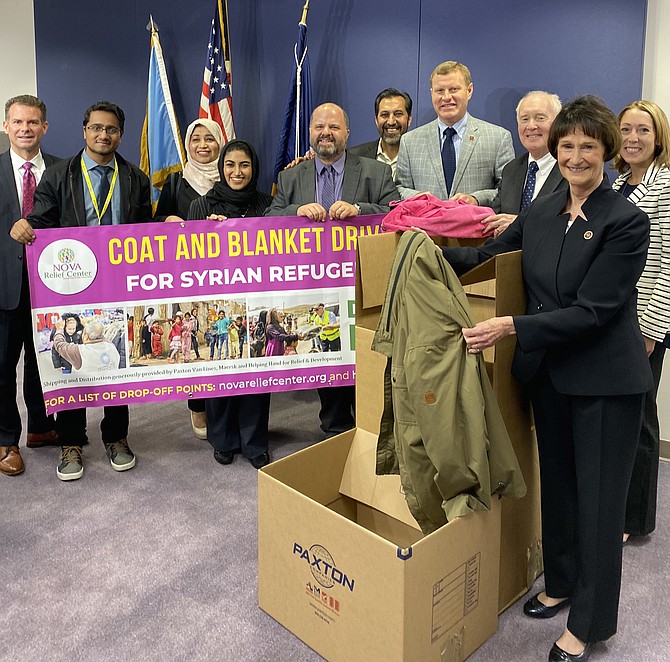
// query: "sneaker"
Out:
[120,456]
[71,466]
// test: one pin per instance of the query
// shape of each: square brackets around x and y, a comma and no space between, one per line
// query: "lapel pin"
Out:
[471,137]
[588,235]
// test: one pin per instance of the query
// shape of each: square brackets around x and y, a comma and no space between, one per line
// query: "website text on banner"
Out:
[120,311]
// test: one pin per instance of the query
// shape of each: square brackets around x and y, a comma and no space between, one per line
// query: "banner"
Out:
[111,308]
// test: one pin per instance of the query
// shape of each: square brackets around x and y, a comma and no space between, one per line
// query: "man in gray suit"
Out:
[336,185]
[455,156]
[20,170]
[393,116]
[359,186]
[534,173]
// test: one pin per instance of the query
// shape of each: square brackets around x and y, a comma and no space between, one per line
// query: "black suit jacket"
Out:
[11,252]
[509,195]
[59,198]
[366,183]
[368,150]
[581,318]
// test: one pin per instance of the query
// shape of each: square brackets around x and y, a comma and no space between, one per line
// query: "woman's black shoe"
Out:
[536,609]
[557,654]
[224,457]
[260,460]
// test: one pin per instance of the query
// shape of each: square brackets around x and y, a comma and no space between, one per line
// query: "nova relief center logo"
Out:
[67,266]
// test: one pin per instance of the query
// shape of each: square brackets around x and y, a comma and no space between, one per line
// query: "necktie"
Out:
[529,188]
[29,184]
[449,157]
[328,191]
[103,192]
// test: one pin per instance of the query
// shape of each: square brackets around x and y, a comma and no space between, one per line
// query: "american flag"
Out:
[216,98]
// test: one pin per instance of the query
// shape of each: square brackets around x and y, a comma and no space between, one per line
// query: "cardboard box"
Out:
[343,565]
[494,288]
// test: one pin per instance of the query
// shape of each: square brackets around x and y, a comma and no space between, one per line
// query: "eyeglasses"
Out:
[99,128]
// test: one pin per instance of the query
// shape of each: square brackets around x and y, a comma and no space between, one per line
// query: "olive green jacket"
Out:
[441,429]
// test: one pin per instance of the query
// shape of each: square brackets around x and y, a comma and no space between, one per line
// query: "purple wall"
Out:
[87,51]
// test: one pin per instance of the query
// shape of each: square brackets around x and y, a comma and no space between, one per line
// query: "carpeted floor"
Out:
[159,563]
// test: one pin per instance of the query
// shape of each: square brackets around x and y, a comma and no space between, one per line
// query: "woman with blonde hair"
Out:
[644,164]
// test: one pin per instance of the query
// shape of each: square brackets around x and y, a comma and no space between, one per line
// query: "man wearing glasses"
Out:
[95,187]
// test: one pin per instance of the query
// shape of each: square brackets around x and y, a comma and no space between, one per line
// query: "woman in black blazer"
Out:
[580,351]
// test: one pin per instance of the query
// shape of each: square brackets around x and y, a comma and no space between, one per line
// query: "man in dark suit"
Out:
[95,187]
[21,168]
[337,185]
[393,116]
[534,173]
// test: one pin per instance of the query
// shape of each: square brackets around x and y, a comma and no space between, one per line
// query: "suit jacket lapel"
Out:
[352,176]
[465,152]
[552,182]
[307,182]
[518,183]
[8,186]
[432,147]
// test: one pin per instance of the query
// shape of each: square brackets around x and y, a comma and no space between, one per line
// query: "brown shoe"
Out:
[40,439]
[11,462]
[199,424]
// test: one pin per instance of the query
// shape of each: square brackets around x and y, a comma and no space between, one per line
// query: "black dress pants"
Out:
[586,448]
[71,425]
[641,504]
[16,333]
[239,423]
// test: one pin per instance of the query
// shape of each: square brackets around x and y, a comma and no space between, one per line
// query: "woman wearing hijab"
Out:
[203,141]
[237,423]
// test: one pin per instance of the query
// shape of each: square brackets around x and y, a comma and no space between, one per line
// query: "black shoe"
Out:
[536,609]
[224,457]
[260,460]
[557,654]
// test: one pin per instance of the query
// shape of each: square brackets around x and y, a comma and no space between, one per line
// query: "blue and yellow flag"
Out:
[294,136]
[161,149]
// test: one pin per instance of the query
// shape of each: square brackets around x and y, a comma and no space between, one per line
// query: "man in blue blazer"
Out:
[25,124]
[473,151]
[522,181]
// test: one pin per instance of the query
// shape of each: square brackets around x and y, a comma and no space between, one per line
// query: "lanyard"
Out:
[94,200]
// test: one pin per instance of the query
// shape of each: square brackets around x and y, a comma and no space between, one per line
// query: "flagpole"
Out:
[298,83]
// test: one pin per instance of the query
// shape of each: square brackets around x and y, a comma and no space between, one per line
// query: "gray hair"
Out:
[553,99]
[94,330]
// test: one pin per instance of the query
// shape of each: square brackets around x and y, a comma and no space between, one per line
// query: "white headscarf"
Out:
[202,176]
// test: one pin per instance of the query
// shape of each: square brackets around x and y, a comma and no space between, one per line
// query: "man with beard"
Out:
[393,115]
[335,183]
[95,187]
[338,185]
